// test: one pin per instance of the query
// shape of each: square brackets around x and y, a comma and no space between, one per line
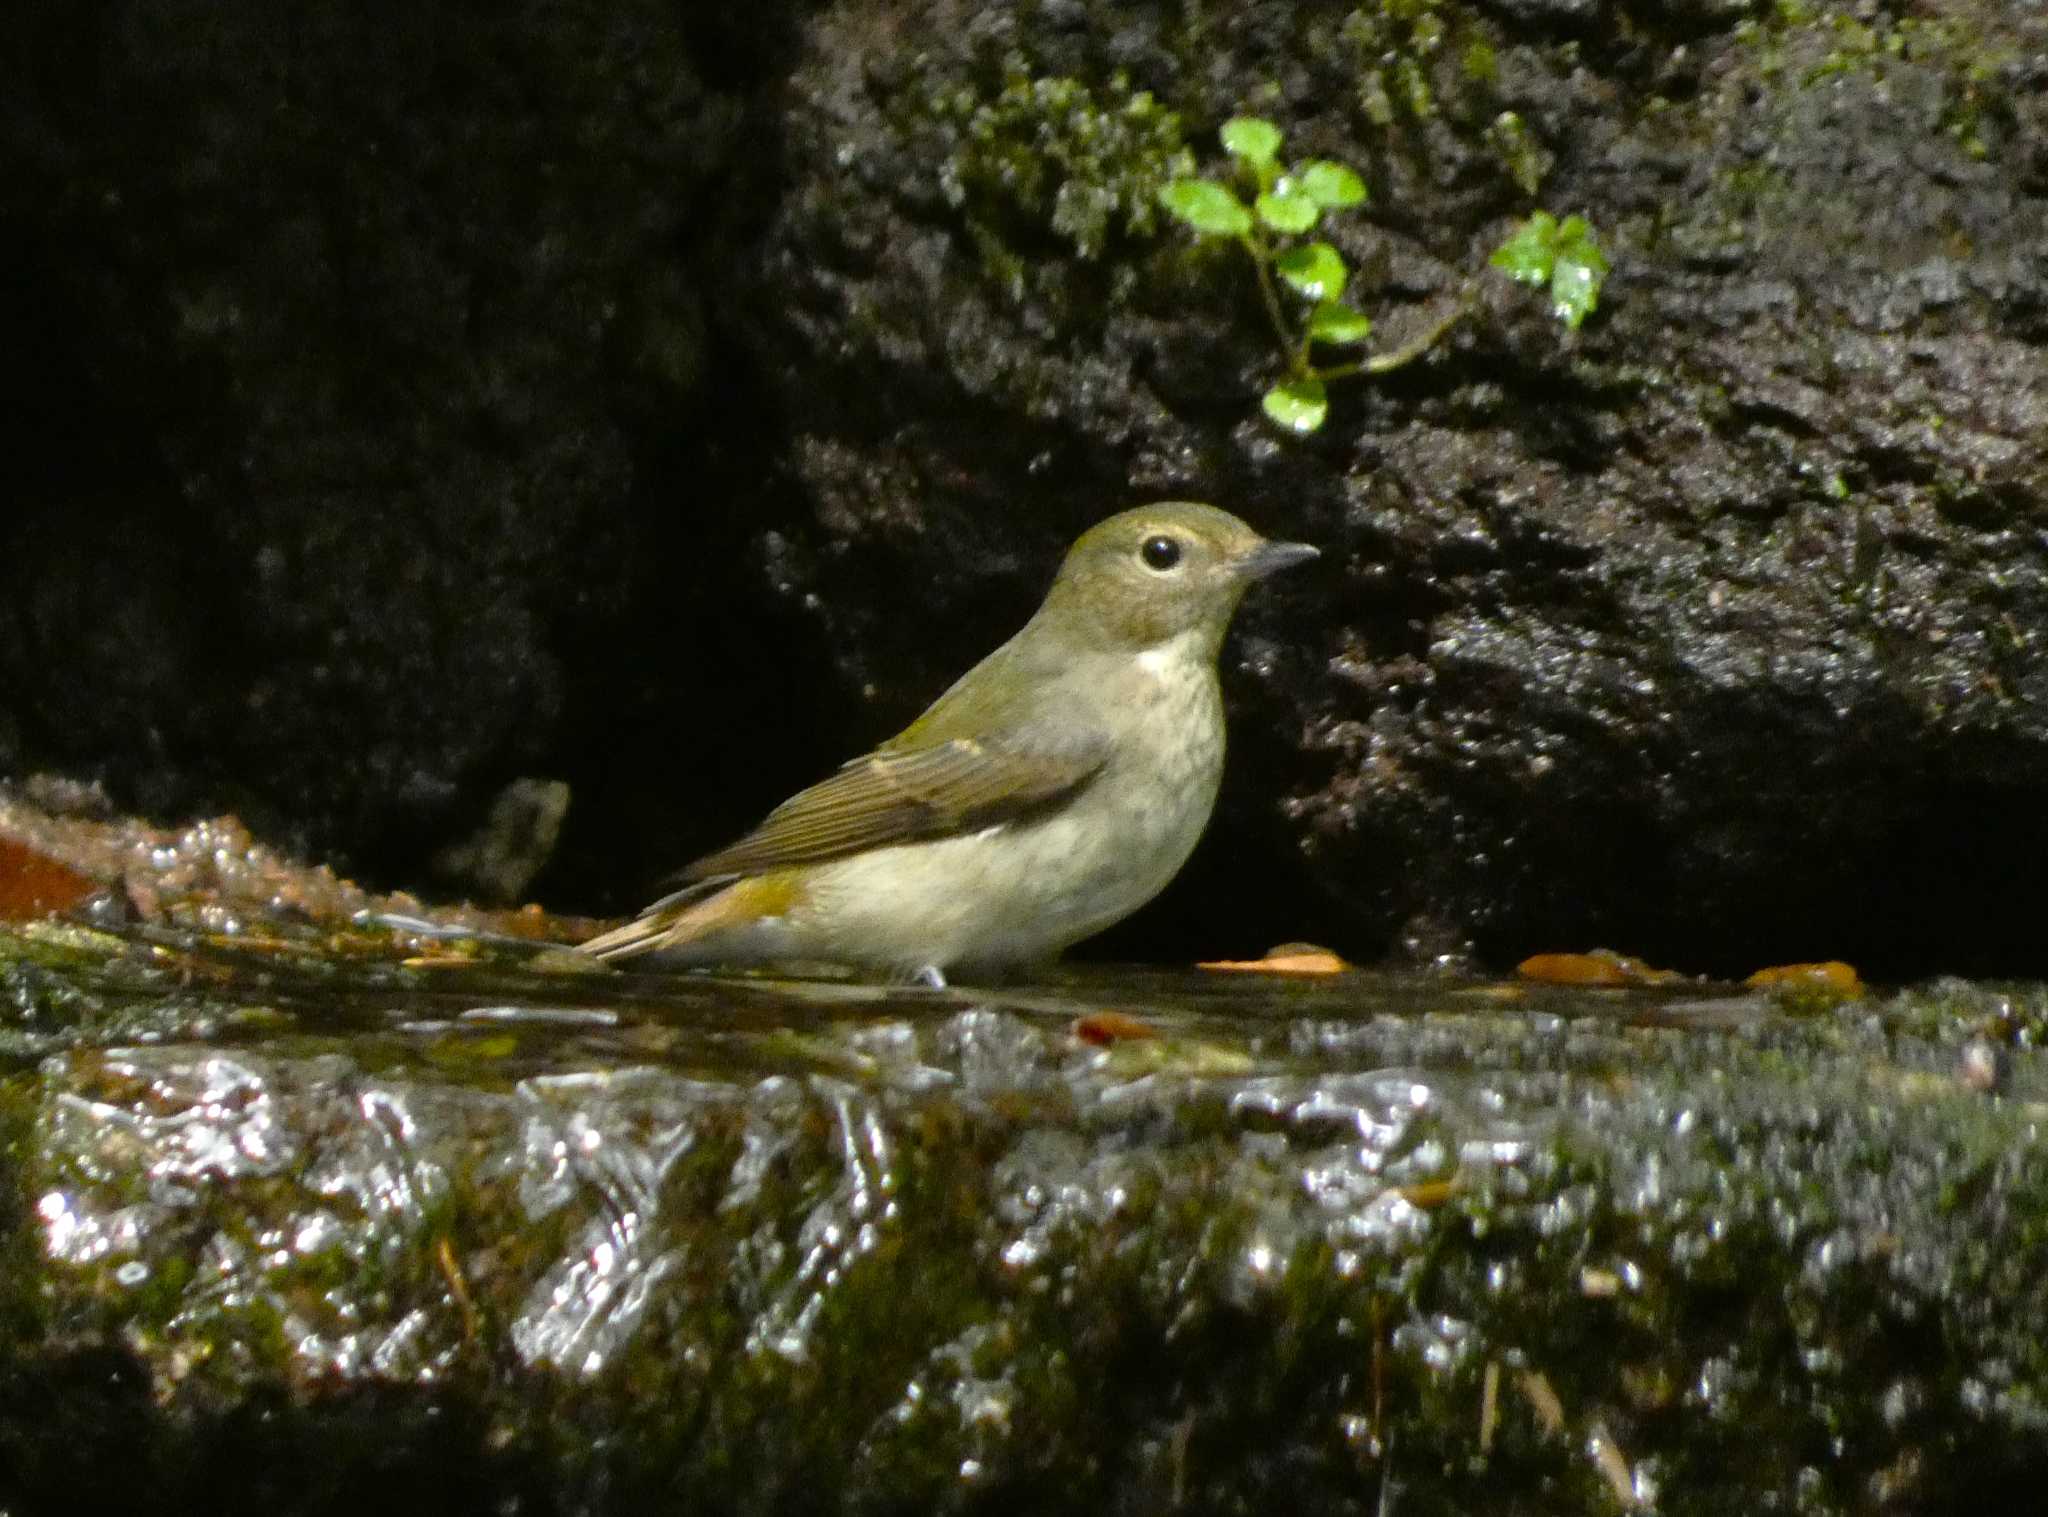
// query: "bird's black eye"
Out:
[1160,553]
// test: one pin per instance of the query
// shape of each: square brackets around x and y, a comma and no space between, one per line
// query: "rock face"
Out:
[574,398]
[360,350]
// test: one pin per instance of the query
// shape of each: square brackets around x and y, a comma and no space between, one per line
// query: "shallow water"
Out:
[263,985]
[1124,1235]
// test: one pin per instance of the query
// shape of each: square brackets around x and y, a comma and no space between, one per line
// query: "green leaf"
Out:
[1575,242]
[1285,209]
[1565,257]
[1531,253]
[1317,270]
[1330,185]
[1574,293]
[1575,288]
[1299,405]
[1210,208]
[1250,138]
[1333,321]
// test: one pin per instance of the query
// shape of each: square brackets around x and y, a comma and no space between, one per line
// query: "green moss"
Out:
[1427,62]
[1395,45]
[1525,160]
[1055,154]
[1480,64]
[20,1305]
[1819,45]
[67,987]
[1752,184]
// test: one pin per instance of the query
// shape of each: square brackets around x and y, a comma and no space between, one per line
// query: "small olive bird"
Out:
[1053,790]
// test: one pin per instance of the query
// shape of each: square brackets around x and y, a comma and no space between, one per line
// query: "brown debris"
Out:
[1287,958]
[1831,975]
[1600,967]
[1103,1028]
[212,873]
[33,885]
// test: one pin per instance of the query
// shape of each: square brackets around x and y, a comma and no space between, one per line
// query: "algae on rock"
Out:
[815,1246]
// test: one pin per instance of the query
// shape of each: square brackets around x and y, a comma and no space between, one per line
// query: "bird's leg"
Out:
[931,976]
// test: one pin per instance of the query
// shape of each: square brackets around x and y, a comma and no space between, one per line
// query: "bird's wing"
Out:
[908,792]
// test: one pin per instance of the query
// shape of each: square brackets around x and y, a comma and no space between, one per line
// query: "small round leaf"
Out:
[1575,286]
[1333,321]
[1330,185]
[1574,292]
[1299,405]
[1285,209]
[1250,138]
[1531,252]
[1316,271]
[1210,208]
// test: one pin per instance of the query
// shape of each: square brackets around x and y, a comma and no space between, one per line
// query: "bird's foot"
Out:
[931,976]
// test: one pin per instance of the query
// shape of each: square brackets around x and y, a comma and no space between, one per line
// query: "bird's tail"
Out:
[656,927]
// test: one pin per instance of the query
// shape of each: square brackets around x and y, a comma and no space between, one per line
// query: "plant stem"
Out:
[1297,360]
[1408,352]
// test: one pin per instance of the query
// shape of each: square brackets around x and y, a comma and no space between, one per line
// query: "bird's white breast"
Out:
[1025,889]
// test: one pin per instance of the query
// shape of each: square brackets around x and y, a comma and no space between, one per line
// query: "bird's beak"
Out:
[1271,558]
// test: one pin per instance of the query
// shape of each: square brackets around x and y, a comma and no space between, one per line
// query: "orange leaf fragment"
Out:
[1105,1027]
[1603,966]
[1288,958]
[35,885]
[1830,975]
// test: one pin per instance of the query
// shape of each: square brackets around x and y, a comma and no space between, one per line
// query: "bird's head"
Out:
[1158,574]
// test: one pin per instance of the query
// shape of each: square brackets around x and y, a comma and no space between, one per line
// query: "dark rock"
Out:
[427,406]
[1708,623]
[353,346]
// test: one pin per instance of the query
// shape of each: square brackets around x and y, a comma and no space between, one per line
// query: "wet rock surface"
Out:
[445,1221]
[570,399]
[64,854]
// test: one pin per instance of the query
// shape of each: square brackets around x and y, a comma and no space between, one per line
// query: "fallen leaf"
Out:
[1601,967]
[1809,987]
[34,885]
[1103,1028]
[1828,975]
[1288,958]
